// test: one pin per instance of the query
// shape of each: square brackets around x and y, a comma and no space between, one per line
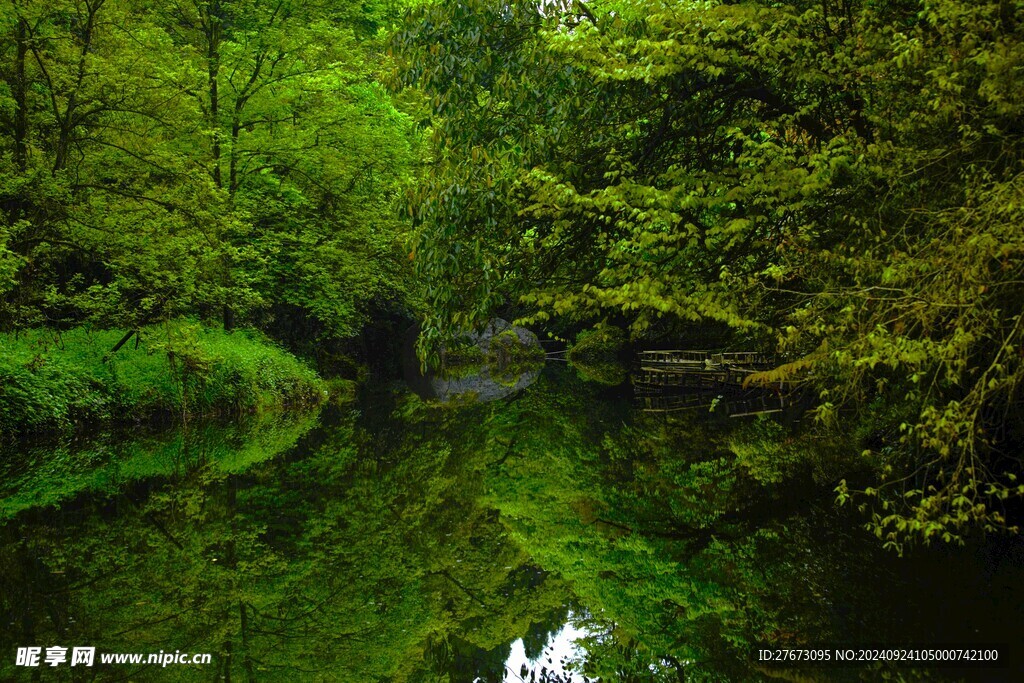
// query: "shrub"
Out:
[53,380]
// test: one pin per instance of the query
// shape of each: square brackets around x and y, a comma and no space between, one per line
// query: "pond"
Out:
[556,534]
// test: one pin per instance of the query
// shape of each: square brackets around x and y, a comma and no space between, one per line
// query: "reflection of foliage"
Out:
[351,579]
[404,541]
[771,454]
[48,474]
[766,454]
[450,371]
[595,355]
[611,374]
[681,551]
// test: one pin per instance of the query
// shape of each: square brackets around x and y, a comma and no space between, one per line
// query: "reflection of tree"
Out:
[685,554]
[541,632]
[121,567]
[349,558]
[405,542]
[52,472]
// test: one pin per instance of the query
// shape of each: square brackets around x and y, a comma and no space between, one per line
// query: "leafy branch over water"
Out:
[839,181]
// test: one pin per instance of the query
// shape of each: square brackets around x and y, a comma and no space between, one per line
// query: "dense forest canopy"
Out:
[837,180]
[201,201]
[229,159]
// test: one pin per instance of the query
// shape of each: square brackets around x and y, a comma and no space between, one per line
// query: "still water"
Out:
[556,534]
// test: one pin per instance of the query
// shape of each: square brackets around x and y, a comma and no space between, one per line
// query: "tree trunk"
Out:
[213,36]
[20,99]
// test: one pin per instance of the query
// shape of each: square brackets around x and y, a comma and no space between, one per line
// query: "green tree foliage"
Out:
[307,148]
[841,180]
[86,169]
[233,159]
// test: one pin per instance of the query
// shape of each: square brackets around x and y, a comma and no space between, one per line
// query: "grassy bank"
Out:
[52,381]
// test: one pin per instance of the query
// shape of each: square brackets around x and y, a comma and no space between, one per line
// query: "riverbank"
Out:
[55,381]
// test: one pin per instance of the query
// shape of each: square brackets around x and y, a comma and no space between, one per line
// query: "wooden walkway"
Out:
[682,360]
[687,369]
[672,380]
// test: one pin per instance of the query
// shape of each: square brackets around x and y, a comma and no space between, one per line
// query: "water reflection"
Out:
[556,662]
[396,540]
[479,385]
[491,376]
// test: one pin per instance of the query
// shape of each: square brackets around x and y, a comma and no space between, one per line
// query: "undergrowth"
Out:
[52,381]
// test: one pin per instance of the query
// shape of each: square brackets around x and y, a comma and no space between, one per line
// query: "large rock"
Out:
[480,385]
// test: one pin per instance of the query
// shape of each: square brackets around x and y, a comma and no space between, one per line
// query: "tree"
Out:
[226,159]
[104,218]
[837,180]
[308,150]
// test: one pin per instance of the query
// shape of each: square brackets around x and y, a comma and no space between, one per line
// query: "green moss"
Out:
[508,349]
[51,381]
[595,355]
[463,353]
[603,343]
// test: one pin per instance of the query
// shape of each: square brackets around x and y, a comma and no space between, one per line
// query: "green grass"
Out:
[51,381]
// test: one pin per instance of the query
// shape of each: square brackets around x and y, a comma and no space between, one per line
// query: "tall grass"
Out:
[51,381]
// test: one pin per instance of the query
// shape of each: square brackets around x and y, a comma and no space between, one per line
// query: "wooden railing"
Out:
[692,358]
